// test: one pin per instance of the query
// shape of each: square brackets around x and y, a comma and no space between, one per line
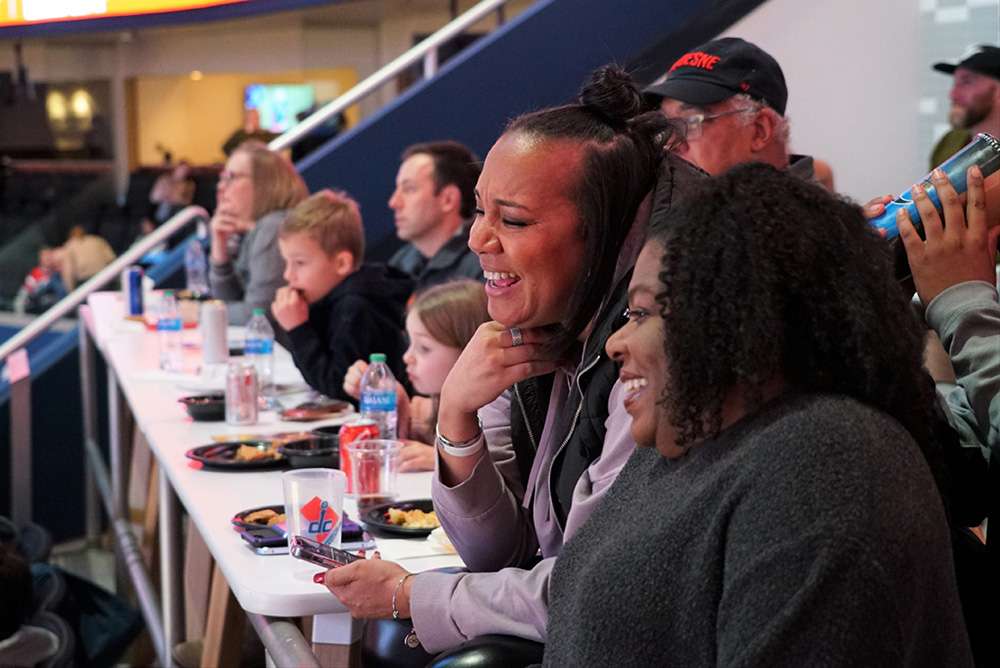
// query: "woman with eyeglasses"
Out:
[255,191]
[783,505]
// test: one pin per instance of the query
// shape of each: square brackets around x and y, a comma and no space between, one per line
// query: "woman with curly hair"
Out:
[780,509]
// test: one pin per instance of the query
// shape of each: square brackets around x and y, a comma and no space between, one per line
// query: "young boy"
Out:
[336,309]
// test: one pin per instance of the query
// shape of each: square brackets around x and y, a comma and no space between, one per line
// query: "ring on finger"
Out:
[516,338]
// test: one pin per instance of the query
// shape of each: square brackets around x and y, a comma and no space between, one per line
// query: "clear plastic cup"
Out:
[314,503]
[374,463]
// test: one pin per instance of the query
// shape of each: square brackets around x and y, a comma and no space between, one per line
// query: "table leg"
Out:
[92,505]
[115,446]
[336,639]
[224,629]
[171,564]
[116,457]
[150,519]
[140,473]
[198,566]
[88,396]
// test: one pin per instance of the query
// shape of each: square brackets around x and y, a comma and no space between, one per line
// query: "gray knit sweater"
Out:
[810,534]
[254,277]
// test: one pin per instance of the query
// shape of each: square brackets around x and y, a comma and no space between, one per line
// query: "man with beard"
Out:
[975,100]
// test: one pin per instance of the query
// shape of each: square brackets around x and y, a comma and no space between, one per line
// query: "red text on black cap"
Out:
[705,61]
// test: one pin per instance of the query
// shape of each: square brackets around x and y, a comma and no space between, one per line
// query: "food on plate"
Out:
[205,399]
[251,453]
[288,437]
[276,439]
[225,438]
[315,410]
[264,516]
[412,519]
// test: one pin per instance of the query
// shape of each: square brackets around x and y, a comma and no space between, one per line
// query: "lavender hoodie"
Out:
[499,522]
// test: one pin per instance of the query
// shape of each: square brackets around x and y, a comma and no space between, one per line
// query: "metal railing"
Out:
[283,641]
[426,51]
[20,386]
[66,305]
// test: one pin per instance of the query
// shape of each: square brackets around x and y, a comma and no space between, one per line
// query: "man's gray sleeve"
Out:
[967,318]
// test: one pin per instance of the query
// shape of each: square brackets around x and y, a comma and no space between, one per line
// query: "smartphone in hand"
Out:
[326,556]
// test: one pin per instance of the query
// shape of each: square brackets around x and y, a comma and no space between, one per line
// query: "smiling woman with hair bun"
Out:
[531,429]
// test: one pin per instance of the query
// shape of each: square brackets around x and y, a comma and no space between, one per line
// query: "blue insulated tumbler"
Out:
[984,151]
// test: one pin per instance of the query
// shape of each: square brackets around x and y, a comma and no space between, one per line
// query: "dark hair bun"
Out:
[611,94]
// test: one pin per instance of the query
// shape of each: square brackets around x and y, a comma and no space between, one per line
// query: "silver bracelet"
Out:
[459,444]
[476,445]
[395,592]
[465,448]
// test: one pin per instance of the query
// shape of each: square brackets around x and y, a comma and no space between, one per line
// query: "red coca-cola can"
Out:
[355,430]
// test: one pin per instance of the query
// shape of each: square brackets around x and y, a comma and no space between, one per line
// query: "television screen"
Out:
[278,104]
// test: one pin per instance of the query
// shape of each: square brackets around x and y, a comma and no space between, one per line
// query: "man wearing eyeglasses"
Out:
[729,97]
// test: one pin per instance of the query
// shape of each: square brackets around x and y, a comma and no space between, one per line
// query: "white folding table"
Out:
[270,586]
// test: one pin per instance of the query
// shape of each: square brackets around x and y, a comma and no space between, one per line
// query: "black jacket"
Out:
[455,260]
[362,315]
[581,429]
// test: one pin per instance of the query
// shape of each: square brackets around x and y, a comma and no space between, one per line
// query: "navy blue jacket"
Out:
[362,315]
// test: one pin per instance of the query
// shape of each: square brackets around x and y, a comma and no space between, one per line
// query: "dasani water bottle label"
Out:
[378,401]
[258,346]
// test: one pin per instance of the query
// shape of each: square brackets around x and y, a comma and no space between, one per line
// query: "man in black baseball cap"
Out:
[731,96]
[975,99]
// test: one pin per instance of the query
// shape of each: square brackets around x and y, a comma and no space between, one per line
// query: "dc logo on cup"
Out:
[322,521]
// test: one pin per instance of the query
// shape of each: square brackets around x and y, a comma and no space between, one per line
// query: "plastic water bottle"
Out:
[259,348]
[195,268]
[378,396]
[168,327]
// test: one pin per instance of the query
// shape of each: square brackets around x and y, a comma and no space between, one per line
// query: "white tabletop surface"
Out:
[277,585]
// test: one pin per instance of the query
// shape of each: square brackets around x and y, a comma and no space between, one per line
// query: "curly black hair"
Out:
[765,274]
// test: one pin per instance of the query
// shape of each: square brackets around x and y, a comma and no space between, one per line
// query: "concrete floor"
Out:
[93,563]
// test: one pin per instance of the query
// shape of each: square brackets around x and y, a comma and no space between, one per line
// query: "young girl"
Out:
[440,322]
